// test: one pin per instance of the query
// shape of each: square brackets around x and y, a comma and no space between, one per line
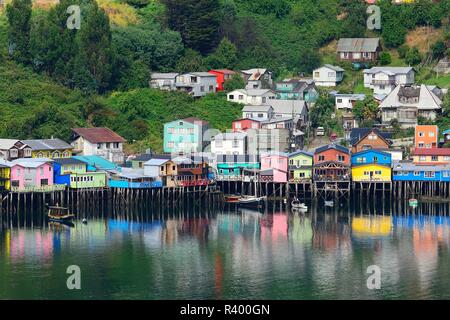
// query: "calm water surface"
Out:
[233,254]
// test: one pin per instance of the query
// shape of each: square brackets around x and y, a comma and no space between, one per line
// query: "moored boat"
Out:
[251,201]
[297,205]
[59,214]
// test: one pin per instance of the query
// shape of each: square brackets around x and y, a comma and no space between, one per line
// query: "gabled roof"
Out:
[262,108]
[167,75]
[200,74]
[358,44]
[254,92]
[335,68]
[224,71]
[389,70]
[195,120]
[156,162]
[6,144]
[356,134]
[67,161]
[296,153]
[387,154]
[294,107]
[98,135]
[30,162]
[427,100]
[255,74]
[47,144]
[143,157]
[332,146]
[97,162]
[411,166]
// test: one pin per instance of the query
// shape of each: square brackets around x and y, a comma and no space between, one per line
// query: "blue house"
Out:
[231,166]
[372,156]
[97,163]
[408,171]
[185,135]
[371,165]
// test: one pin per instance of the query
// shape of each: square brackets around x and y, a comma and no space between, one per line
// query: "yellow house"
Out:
[5,177]
[371,165]
[49,148]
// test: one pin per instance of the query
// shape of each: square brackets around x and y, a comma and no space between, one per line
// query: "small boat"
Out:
[296,204]
[251,201]
[329,203]
[232,199]
[413,202]
[59,214]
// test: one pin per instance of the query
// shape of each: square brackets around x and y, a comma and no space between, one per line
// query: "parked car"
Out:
[333,137]
[320,131]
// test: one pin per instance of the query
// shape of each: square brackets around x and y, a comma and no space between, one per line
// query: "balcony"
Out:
[49,188]
[383,82]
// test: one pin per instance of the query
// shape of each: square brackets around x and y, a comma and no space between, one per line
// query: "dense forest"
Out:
[55,77]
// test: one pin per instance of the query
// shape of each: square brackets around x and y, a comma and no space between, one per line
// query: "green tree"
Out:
[307,60]
[191,61]
[236,82]
[198,22]
[413,56]
[19,16]
[385,58]
[366,110]
[225,56]
[438,49]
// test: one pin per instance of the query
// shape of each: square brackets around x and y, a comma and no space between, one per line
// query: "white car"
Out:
[320,131]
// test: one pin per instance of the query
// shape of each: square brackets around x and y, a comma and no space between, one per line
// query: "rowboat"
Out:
[59,214]
[251,201]
[297,205]
[232,199]
[413,202]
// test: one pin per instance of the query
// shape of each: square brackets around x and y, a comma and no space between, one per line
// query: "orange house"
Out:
[245,124]
[426,136]
[222,75]
[332,163]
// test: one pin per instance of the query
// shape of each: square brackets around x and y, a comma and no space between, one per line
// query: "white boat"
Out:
[329,203]
[251,200]
[296,204]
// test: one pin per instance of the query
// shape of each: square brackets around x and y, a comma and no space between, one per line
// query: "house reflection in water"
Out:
[275,227]
[300,230]
[329,234]
[22,245]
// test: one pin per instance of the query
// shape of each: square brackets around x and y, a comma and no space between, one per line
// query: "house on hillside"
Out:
[244,124]
[11,149]
[251,96]
[362,139]
[100,141]
[73,172]
[300,165]
[328,75]
[32,174]
[162,169]
[163,81]
[257,78]
[409,171]
[237,167]
[332,163]
[371,165]
[229,143]
[222,75]
[290,109]
[260,113]
[185,135]
[384,79]
[426,136]
[431,156]
[407,103]
[296,89]
[49,148]
[358,49]
[346,102]
[274,167]
[197,84]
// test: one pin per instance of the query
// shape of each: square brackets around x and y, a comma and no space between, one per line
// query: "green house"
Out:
[300,166]
[73,172]
[296,90]
[233,166]
[185,135]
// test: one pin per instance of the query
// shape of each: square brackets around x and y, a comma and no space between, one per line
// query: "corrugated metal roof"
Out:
[47,144]
[358,44]
[98,135]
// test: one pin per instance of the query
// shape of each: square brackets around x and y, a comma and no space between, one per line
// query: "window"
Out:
[99,145]
[211,88]
[321,158]
[366,54]
[422,158]
[231,97]
[260,115]
[339,100]
[13,153]
[375,159]
[317,74]
[237,125]
[446,174]
[429,174]
[382,86]
[428,145]
[431,134]
[241,97]
[416,173]
[434,158]
[27,153]
[420,145]
[446,158]
[202,88]
[330,74]
[108,145]
[378,172]
[421,134]
[116,145]
[162,168]
[340,158]
[170,130]
[264,99]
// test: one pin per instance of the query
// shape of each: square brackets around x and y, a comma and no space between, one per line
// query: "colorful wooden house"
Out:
[245,124]
[49,148]
[426,136]
[129,178]
[73,173]
[300,165]
[332,163]
[97,163]
[371,165]
[162,169]
[431,155]
[5,176]
[185,135]
[222,75]
[32,175]
[365,139]
[409,171]
[274,167]
[11,149]
[237,167]
[296,89]
[192,171]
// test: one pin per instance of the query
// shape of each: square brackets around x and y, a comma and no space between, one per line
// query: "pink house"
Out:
[26,173]
[274,167]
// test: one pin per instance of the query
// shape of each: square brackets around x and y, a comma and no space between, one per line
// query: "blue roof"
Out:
[446,131]
[371,150]
[97,162]
[333,146]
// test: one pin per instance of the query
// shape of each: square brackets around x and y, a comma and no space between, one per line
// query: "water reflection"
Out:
[235,253]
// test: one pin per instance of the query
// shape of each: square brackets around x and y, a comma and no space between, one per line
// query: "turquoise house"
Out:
[296,90]
[185,135]
[233,166]
[95,163]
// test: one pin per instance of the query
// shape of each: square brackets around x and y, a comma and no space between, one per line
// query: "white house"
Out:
[197,84]
[288,109]
[163,81]
[406,103]
[346,102]
[384,79]
[328,75]
[251,96]
[229,143]
[260,113]
[257,78]
[101,142]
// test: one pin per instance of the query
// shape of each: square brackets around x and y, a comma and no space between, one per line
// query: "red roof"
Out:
[431,151]
[98,135]
[224,71]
